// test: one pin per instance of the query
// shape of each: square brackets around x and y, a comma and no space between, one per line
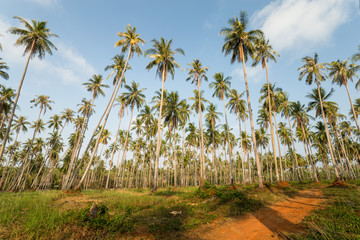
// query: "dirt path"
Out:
[267,222]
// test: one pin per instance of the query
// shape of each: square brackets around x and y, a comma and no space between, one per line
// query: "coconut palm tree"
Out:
[20,124]
[3,67]
[221,90]
[240,45]
[314,71]
[211,117]
[197,73]
[130,42]
[341,72]
[35,38]
[163,57]
[117,67]
[263,53]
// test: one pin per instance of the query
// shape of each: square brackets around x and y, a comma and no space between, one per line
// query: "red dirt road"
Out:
[268,222]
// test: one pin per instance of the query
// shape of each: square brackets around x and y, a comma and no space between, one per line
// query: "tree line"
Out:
[191,153]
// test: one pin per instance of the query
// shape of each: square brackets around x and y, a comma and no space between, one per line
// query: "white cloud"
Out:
[254,74]
[45,2]
[299,24]
[66,64]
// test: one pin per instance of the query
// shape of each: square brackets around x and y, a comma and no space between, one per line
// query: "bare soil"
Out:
[267,223]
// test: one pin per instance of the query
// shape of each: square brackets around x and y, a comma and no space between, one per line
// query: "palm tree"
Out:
[117,68]
[20,124]
[211,117]
[198,73]
[341,72]
[264,53]
[239,44]
[3,67]
[314,72]
[95,86]
[35,39]
[130,42]
[163,58]
[221,90]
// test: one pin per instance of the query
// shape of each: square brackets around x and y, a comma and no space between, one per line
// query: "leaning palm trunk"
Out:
[158,142]
[2,150]
[352,108]
[327,133]
[271,124]
[117,86]
[260,180]
[113,151]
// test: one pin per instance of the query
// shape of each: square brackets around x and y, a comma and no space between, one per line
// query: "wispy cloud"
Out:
[45,3]
[67,65]
[302,24]
[254,74]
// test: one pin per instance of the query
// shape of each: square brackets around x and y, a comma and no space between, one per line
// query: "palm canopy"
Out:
[221,85]
[263,52]
[212,115]
[95,85]
[238,42]
[130,40]
[173,112]
[35,37]
[299,113]
[236,104]
[197,72]
[163,57]
[20,123]
[3,67]
[43,101]
[196,100]
[134,97]
[342,71]
[117,68]
[312,70]
[328,106]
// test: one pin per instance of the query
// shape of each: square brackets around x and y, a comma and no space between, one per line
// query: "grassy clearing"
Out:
[127,213]
[338,218]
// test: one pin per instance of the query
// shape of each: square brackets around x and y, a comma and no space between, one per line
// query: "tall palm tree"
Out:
[163,57]
[313,71]
[35,38]
[197,73]
[211,117]
[20,124]
[263,53]
[341,72]
[117,67]
[240,44]
[130,42]
[221,90]
[3,67]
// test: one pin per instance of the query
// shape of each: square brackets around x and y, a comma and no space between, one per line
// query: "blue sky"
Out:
[87,31]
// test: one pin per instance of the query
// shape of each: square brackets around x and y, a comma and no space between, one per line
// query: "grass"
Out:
[339,216]
[141,213]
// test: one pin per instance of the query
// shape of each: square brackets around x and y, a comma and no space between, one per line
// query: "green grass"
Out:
[54,215]
[338,218]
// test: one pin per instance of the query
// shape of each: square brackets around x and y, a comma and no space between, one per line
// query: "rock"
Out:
[174,213]
[93,212]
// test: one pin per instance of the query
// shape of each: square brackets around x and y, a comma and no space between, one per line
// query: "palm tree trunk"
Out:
[158,142]
[294,151]
[260,179]
[271,124]
[2,150]
[113,151]
[182,159]
[280,158]
[105,121]
[327,133]
[352,108]
[202,162]
[229,146]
